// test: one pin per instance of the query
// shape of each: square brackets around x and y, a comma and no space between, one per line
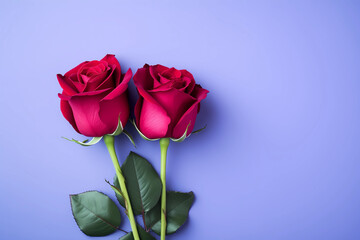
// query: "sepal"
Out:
[128,135]
[86,142]
[182,138]
[119,129]
[199,130]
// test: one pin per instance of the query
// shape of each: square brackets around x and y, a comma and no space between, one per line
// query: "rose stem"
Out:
[164,144]
[109,141]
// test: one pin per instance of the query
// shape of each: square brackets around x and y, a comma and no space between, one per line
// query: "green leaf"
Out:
[177,210]
[95,213]
[86,142]
[182,138]
[143,235]
[141,134]
[142,182]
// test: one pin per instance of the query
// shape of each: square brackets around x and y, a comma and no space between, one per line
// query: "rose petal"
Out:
[143,79]
[67,113]
[110,110]
[155,71]
[164,87]
[186,73]
[178,84]
[63,96]
[83,70]
[171,73]
[101,81]
[164,80]
[96,69]
[110,58]
[121,87]
[188,117]
[97,92]
[85,79]
[190,84]
[86,114]
[174,102]
[68,87]
[75,69]
[137,110]
[79,86]
[66,97]
[199,93]
[153,121]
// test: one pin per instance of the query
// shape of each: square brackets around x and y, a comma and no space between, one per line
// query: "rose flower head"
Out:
[94,96]
[168,103]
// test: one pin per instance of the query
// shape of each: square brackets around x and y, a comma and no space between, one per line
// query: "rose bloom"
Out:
[94,96]
[169,101]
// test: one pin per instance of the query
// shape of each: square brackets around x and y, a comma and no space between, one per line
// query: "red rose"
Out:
[169,101]
[94,96]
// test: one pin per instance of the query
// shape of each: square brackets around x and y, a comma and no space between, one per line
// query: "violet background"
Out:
[280,156]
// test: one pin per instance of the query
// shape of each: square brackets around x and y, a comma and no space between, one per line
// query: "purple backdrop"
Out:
[280,156]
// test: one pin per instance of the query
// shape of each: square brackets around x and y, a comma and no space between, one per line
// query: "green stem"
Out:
[164,144]
[109,141]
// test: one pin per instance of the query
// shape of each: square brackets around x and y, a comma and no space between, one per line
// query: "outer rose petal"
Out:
[86,114]
[110,110]
[199,93]
[68,114]
[63,95]
[153,122]
[143,79]
[190,114]
[137,110]
[188,117]
[174,102]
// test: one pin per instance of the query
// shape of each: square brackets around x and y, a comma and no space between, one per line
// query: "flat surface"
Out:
[280,156]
